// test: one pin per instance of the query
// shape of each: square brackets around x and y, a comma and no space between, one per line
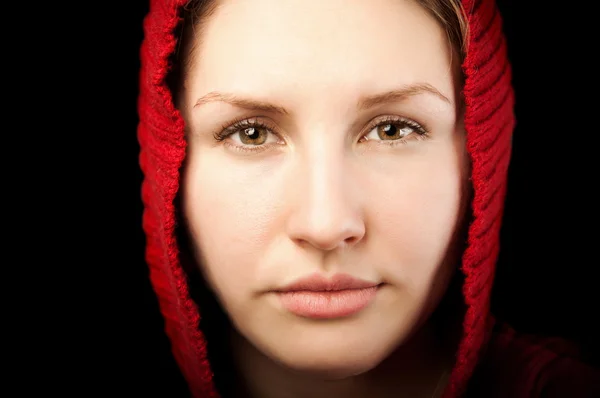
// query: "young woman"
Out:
[324,185]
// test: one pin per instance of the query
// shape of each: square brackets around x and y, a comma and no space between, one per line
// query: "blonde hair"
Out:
[451,15]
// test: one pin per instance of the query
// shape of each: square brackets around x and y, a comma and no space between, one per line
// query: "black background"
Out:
[545,279]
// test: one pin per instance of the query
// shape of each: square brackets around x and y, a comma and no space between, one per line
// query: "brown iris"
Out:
[253,135]
[392,131]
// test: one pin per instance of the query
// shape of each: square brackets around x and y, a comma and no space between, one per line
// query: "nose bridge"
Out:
[327,211]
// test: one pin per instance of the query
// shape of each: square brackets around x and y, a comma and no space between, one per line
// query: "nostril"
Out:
[352,240]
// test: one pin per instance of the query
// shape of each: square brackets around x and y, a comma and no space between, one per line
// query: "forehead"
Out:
[310,46]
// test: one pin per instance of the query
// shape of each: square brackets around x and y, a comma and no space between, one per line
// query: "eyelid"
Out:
[420,128]
[234,125]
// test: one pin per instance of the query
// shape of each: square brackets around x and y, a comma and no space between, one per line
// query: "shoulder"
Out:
[527,366]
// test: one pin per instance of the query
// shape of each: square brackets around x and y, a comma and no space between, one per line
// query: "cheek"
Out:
[232,214]
[419,210]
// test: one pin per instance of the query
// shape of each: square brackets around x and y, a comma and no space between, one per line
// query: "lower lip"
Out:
[327,304]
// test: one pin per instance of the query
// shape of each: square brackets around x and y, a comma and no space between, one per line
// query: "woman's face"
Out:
[324,141]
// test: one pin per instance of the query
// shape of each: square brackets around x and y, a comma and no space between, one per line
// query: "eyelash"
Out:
[235,126]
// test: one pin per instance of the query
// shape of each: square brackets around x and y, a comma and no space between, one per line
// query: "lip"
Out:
[319,297]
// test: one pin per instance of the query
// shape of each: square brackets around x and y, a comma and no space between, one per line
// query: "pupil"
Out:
[390,130]
[252,133]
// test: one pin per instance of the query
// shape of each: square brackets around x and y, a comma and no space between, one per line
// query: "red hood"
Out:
[489,122]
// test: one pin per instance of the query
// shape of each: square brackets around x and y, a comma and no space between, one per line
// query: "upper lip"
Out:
[320,283]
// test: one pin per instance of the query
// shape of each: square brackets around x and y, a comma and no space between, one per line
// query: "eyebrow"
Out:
[396,95]
[244,103]
[401,94]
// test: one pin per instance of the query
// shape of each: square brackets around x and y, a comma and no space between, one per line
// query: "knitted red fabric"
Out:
[489,124]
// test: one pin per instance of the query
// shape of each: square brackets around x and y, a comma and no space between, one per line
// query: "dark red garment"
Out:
[491,360]
[522,366]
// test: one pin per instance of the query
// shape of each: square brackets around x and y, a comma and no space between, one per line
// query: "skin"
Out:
[323,190]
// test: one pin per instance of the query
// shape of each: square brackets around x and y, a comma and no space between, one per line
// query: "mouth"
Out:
[317,297]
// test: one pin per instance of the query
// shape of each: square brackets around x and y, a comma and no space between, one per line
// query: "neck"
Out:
[418,368]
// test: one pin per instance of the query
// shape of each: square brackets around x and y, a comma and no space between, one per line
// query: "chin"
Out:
[337,357]
[332,368]
[329,349]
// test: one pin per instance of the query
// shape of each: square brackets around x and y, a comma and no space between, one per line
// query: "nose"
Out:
[327,211]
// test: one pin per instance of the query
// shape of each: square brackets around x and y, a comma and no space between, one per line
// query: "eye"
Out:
[393,131]
[249,135]
[253,136]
